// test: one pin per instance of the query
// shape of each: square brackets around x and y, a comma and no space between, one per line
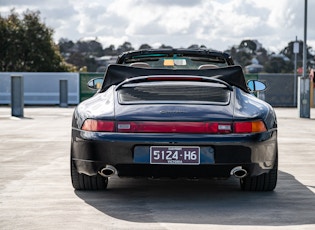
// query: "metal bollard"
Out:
[304,97]
[17,96]
[63,93]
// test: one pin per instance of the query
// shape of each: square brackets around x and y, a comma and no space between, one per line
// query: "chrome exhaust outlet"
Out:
[108,171]
[238,172]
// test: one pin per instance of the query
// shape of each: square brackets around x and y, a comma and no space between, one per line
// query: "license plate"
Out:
[175,155]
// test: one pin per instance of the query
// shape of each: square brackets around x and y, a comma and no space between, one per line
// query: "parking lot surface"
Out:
[36,191]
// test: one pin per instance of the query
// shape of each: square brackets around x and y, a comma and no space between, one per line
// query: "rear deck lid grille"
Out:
[171,92]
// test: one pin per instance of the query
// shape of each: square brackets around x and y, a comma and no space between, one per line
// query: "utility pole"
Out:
[296,47]
[304,81]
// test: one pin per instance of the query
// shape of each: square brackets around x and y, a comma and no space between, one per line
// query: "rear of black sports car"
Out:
[174,126]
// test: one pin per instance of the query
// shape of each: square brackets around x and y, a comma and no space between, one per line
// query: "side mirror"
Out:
[256,86]
[95,83]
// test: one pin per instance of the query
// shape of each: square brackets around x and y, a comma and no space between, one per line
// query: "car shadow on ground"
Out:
[204,202]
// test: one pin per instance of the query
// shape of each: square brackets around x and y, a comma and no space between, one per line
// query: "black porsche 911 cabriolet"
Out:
[174,113]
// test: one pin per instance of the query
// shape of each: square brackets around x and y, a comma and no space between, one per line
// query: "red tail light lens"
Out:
[161,127]
[173,127]
[249,127]
[98,125]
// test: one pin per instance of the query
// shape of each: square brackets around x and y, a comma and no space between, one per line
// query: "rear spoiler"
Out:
[115,74]
[179,78]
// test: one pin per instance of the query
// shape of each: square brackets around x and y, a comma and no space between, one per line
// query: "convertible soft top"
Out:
[115,74]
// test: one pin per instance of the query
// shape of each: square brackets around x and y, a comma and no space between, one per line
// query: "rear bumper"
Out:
[90,153]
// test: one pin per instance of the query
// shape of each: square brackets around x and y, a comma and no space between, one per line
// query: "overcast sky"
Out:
[217,24]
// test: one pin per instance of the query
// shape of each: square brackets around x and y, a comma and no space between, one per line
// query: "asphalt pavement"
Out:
[36,191]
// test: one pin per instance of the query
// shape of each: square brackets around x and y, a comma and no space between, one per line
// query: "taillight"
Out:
[174,127]
[249,127]
[98,125]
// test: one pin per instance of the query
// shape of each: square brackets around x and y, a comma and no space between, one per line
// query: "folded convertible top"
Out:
[115,74]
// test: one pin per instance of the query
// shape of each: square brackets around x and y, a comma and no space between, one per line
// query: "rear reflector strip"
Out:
[168,127]
[173,127]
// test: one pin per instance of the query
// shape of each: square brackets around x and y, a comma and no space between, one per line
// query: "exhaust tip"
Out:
[238,172]
[107,171]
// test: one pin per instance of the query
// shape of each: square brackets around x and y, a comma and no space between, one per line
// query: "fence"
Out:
[43,88]
[40,88]
[280,89]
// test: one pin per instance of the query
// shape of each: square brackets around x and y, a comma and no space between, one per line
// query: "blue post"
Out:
[63,93]
[17,96]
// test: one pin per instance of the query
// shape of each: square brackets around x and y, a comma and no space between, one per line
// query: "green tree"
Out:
[278,65]
[66,46]
[288,51]
[26,45]
[124,47]
[242,58]
[145,46]
[262,56]
[165,47]
[110,50]
[77,59]
[249,44]
[89,48]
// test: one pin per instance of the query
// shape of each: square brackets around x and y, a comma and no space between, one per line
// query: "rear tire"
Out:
[264,182]
[85,182]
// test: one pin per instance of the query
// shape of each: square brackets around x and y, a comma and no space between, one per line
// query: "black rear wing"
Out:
[177,78]
[115,74]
